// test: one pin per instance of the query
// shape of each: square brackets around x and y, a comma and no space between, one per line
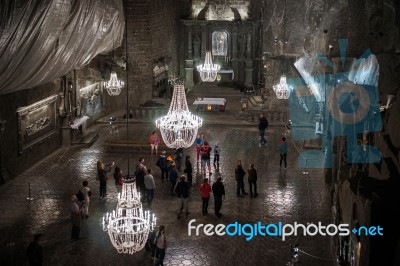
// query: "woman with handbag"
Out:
[102,175]
[118,178]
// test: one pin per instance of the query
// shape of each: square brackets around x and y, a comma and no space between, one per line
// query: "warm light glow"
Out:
[114,86]
[282,90]
[179,127]
[128,226]
[209,107]
[208,71]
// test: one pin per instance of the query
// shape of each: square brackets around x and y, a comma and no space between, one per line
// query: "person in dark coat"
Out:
[34,251]
[188,170]
[102,176]
[219,191]
[182,191]
[178,158]
[163,165]
[283,149]
[239,176]
[140,172]
[262,126]
[252,178]
[173,177]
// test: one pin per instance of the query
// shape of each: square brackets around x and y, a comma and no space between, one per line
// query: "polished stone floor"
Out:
[284,195]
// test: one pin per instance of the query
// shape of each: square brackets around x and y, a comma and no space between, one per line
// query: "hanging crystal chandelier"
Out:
[128,226]
[179,127]
[114,85]
[282,90]
[208,71]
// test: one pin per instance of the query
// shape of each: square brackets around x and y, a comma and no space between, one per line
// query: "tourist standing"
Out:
[205,190]
[34,251]
[76,216]
[86,198]
[150,186]
[178,158]
[102,176]
[139,174]
[219,191]
[262,126]
[252,178]
[163,165]
[283,149]
[217,152]
[205,158]
[173,177]
[239,176]
[188,170]
[182,191]
[199,141]
[154,140]
[161,244]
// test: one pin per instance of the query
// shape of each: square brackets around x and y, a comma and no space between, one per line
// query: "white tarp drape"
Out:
[41,40]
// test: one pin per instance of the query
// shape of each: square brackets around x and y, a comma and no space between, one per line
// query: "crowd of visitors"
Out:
[179,185]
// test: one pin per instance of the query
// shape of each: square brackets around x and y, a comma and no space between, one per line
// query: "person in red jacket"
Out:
[154,140]
[205,190]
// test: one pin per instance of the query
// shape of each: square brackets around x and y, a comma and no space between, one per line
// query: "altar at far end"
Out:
[210,104]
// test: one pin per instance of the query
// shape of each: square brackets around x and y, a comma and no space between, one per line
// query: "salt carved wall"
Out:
[17,163]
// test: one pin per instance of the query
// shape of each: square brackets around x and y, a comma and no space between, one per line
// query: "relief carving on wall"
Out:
[36,122]
[38,125]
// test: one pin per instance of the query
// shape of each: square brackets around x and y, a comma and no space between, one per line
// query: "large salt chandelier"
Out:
[282,90]
[128,226]
[114,85]
[179,127]
[208,71]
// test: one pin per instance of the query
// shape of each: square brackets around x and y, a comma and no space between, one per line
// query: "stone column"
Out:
[3,171]
[249,59]
[234,52]
[249,73]
[189,74]
[189,60]
[249,44]
[203,39]
[189,39]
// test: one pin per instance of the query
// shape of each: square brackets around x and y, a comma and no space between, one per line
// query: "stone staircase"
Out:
[255,102]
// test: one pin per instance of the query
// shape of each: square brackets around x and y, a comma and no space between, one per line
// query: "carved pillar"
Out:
[249,73]
[63,113]
[3,171]
[189,61]
[189,73]
[203,39]
[189,39]
[249,59]
[234,52]
[234,42]
[249,44]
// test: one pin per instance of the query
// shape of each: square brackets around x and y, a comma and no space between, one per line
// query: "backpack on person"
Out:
[80,195]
